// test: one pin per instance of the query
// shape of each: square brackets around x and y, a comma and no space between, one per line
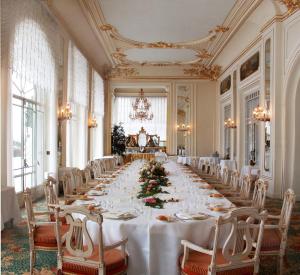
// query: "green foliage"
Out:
[118,140]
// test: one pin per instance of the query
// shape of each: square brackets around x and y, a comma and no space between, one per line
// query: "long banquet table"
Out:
[153,245]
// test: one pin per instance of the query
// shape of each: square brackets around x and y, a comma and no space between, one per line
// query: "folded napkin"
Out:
[191,216]
[119,215]
[96,193]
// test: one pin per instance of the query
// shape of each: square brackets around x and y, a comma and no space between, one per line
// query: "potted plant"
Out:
[118,139]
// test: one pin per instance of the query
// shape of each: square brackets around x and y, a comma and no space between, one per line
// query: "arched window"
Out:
[33,47]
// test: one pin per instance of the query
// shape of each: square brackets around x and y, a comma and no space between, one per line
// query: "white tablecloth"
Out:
[161,156]
[230,164]
[154,246]
[253,171]
[184,160]
[9,206]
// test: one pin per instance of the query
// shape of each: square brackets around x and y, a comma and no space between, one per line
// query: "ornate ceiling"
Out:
[178,38]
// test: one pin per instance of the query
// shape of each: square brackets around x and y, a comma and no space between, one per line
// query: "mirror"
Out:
[267,124]
[183,114]
[142,141]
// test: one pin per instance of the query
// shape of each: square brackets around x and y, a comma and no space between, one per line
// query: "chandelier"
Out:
[261,114]
[141,107]
[230,123]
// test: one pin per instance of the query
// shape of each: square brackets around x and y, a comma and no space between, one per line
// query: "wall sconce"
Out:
[230,123]
[65,112]
[261,114]
[92,122]
[183,127]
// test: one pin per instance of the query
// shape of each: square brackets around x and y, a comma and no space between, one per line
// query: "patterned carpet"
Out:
[15,248]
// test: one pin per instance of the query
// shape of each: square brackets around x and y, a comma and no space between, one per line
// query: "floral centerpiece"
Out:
[150,188]
[154,202]
[153,176]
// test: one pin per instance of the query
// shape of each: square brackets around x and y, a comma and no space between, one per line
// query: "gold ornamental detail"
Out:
[202,71]
[291,5]
[204,54]
[120,72]
[219,29]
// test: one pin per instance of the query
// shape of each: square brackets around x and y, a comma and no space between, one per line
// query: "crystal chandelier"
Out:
[141,107]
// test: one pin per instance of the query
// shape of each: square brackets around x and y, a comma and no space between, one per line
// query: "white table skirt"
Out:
[9,206]
[154,246]
[230,164]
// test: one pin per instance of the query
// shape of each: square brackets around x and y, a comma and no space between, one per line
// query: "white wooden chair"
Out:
[258,197]
[245,190]
[275,235]
[198,260]
[78,254]
[88,178]
[233,184]
[41,233]
[224,180]
[218,172]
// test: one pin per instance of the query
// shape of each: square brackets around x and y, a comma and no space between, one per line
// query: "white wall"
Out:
[202,93]
[283,30]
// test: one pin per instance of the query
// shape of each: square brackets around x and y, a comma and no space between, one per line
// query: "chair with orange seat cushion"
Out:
[236,255]
[258,197]
[80,255]
[41,233]
[275,235]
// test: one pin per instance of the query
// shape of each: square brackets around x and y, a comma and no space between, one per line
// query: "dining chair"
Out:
[258,197]
[275,235]
[232,258]
[81,186]
[244,192]
[88,178]
[67,185]
[41,233]
[224,184]
[233,184]
[79,254]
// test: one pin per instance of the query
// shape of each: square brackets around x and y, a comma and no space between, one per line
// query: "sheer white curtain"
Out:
[31,48]
[97,133]
[78,98]
[122,106]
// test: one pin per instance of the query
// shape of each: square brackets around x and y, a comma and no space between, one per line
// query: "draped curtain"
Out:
[78,98]
[97,134]
[31,52]
[122,106]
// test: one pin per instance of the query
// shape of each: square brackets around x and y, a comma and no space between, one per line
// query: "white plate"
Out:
[190,216]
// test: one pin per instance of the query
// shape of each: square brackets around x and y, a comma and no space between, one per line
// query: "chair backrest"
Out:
[234,180]
[87,174]
[225,175]
[50,191]
[67,185]
[78,175]
[245,187]
[77,240]
[259,194]
[286,211]
[249,231]
[212,170]
[218,171]
[29,210]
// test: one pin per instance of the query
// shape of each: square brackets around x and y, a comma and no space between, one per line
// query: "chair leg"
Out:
[280,265]
[32,260]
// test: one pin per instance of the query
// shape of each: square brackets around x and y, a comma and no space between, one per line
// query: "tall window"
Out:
[251,130]
[97,133]
[122,106]
[32,44]
[78,98]
[227,147]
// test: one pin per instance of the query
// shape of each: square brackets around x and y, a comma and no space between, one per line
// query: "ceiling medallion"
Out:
[200,70]
[141,107]
[291,5]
